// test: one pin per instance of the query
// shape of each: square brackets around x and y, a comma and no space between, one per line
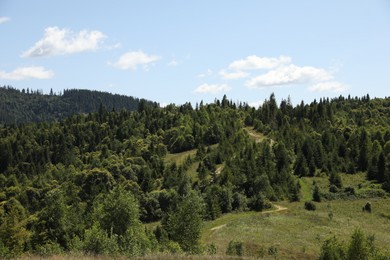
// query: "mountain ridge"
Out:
[21,106]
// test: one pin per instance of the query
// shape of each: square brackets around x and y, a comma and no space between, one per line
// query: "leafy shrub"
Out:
[211,249]
[239,202]
[259,203]
[350,190]
[273,250]
[262,251]
[235,248]
[358,248]
[97,242]
[173,247]
[75,244]
[49,249]
[316,194]
[4,251]
[367,207]
[309,205]
[332,249]
[333,188]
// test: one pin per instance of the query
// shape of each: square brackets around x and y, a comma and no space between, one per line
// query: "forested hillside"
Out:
[33,106]
[90,183]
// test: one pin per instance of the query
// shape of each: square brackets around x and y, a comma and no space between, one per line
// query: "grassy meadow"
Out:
[296,233]
[293,232]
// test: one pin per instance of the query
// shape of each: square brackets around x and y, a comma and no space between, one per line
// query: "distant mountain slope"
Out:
[20,106]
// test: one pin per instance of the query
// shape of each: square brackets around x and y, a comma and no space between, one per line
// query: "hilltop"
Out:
[23,106]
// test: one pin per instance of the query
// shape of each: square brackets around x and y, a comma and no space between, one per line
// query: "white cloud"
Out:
[255,62]
[173,63]
[34,72]
[333,86]
[233,75]
[256,104]
[287,75]
[212,88]
[208,73]
[58,41]
[131,60]
[4,19]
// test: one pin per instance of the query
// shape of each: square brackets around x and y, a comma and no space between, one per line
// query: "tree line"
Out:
[24,106]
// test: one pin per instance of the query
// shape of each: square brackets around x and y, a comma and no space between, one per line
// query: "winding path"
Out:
[278,208]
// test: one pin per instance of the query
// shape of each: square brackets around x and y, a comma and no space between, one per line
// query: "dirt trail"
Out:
[258,138]
[218,227]
[219,170]
[278,208]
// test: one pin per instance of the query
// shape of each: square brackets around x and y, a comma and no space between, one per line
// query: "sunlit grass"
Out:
[179,158]
[298,233]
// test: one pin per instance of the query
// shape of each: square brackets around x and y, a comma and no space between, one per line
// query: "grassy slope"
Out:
[298,233]
[253,134]
[179,158]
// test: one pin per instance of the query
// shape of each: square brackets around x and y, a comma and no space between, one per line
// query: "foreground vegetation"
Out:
[92,184]
[298,233]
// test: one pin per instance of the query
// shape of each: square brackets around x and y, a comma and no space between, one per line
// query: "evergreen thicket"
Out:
[23,106]
[88,182]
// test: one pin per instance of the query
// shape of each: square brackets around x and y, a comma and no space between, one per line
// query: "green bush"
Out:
[358,248]
[211,249]
[316,194]
[173,247]
[332,249]
[367,207]
[235,248]
[240,202]
[97,241]
[49,249]
[259,202]
[273,250]
[333,188]
[350,190]
[309,205]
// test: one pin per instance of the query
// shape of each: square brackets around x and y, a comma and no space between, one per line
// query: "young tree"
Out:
[332,250]
[117,211]
[14,235]
[117,215]
[52,223]
[316,194]
[358,249]
[335,179]
[184,224]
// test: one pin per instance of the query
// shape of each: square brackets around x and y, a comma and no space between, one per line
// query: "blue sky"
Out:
[179,51]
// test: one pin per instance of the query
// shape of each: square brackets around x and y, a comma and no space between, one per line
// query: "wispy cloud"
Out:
[291,74]
[254,62]
[208,73]
[131,60]
[58,41]
[275,72]
[233,75]
[173,63]
[212,88]
[33,72]
[332,86]
[4,19]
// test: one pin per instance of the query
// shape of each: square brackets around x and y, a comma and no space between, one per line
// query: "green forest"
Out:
[131,178]
[26,106]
